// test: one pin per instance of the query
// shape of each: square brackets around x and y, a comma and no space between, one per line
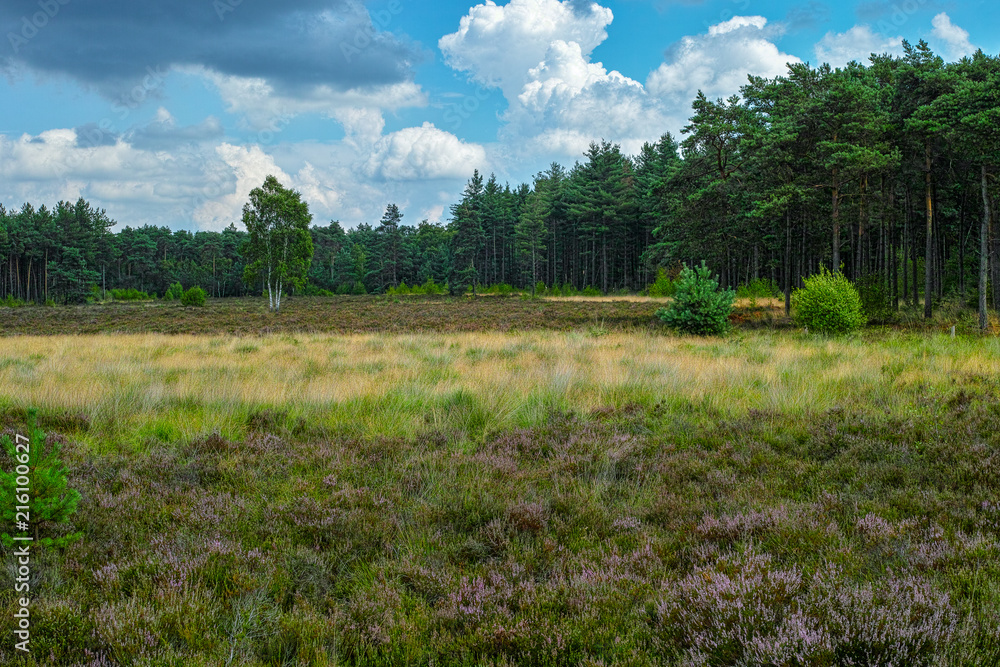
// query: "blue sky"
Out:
[168,113]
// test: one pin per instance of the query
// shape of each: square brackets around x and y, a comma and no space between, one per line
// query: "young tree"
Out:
[49,500]
[279,247]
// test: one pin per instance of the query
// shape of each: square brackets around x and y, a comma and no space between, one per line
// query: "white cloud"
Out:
[858,43]
[263,107]
[250,166]
[418,153]
[538,52]
[956,39]
[718,63]
[498,45]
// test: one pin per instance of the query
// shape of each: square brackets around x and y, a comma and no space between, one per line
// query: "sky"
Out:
[169,113]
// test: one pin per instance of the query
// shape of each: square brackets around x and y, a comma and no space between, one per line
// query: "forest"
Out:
[886,170]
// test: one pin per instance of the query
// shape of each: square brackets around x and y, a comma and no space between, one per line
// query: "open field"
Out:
[342,314]
[595,495]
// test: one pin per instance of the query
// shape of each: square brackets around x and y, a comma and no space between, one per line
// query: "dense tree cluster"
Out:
[885,170]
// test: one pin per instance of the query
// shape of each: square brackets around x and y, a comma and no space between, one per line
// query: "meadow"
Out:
[365,481]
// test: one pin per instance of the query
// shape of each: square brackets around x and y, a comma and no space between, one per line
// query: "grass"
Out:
[341,314]
[599,494]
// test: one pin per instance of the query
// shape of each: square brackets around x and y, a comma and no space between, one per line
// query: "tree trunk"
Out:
[984,233]
[788,264]
[929,246]
[836,224]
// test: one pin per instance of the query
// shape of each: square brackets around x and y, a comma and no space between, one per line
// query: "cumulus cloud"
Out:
[423,153]
[498,45]
[718,63]
[539,54]
[250,166]
[858,43]
[955,38]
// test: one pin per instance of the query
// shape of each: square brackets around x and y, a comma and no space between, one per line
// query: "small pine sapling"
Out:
[50,502]
[699,306]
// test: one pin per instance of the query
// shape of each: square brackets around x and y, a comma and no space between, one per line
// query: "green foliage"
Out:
[279,247]
[699,306]
[758,288]
[194,296]
[590,290]
[11,302]
[828,303]
[312,290]
[173,292]
[50,503]
[50,303]
[130,294]
[540,289]
[359,288]
[663,286]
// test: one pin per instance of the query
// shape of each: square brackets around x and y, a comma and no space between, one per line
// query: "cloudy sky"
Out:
[168,113]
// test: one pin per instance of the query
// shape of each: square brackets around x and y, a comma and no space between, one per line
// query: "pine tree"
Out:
[469,239]
[48,500]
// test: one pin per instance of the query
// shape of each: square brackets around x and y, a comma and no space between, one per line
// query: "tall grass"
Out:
[199,384]
[543,498]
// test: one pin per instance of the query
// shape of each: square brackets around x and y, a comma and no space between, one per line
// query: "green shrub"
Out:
[312,290]
[194,296]
[828,303]
[590,290]
[359,288]
[699,306]
[130,294]
[759,288]
[663,286]
[173,292]
[50,303]
[11,302]
[540,289]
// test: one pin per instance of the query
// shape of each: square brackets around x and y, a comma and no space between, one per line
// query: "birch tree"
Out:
[279,247]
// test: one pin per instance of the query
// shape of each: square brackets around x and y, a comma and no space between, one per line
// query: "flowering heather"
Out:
[538,498]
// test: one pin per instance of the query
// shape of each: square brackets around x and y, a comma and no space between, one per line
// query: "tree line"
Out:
[884,170]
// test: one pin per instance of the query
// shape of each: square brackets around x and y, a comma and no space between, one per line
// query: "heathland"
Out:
[370,480]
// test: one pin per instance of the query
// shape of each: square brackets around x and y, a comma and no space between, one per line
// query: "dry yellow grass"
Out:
[400,383]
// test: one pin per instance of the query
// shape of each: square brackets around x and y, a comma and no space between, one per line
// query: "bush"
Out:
[759,288]
[663,286]
[313,290]
[590,290]
[11,302]
[130,294]
[195,296]
[828,303]
[699,306]
[540,288]
[173,292]
[359,288]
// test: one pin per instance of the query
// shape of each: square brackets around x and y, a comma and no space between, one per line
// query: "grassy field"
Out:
[578,489]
